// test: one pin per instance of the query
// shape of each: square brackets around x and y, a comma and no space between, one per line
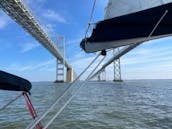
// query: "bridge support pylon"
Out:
[60,66]
[102,75]
[117,68]
[60,72]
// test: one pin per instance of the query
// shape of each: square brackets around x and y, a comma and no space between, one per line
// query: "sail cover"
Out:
[13,82]
[129,21]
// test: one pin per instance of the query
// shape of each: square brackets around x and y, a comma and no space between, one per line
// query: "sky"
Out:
[22,55]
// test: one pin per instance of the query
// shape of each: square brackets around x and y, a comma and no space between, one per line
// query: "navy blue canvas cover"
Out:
[132,26]
[13,82]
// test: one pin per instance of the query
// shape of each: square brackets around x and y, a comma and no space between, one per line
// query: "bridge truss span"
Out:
[18,11]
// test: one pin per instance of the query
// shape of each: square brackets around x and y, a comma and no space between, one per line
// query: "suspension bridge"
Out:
[21,15]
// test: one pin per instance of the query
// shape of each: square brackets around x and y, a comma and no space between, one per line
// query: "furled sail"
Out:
[130,21]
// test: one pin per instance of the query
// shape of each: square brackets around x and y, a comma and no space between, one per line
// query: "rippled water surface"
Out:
[143,104]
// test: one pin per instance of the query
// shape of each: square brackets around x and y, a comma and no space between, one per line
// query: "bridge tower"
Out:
[102,75]
[60,67]
[117,67]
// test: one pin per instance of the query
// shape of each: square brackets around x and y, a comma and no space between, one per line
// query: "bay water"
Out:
[136,104]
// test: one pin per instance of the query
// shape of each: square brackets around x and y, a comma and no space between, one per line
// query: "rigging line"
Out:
[62,108]
[88,78]
[92,11]
[38,119]
[157,24]
[91,17]
[10,102]
[84,83]
[136,44]
[155,27]
[85,69]
[69,100]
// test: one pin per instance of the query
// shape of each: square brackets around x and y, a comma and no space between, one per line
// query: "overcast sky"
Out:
[23,55]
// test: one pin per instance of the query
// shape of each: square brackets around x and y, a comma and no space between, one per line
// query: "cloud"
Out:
[158,71]
[148,62]
[25,47]
[146,71]
[145,55]
[142,63]
[35,71]
[49,30]
[43,16]
[74,41]
[43,66]
[81,60]
[54,16]
[47,18]
[4,20]
[3,23]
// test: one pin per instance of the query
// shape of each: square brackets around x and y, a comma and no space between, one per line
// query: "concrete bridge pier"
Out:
[64,76]
[69,75]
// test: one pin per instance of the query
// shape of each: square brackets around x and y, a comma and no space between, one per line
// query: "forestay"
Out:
[128,22]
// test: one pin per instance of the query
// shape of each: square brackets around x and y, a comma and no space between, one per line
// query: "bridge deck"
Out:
[18,11]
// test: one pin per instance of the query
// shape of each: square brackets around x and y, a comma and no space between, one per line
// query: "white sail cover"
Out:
[117,8]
